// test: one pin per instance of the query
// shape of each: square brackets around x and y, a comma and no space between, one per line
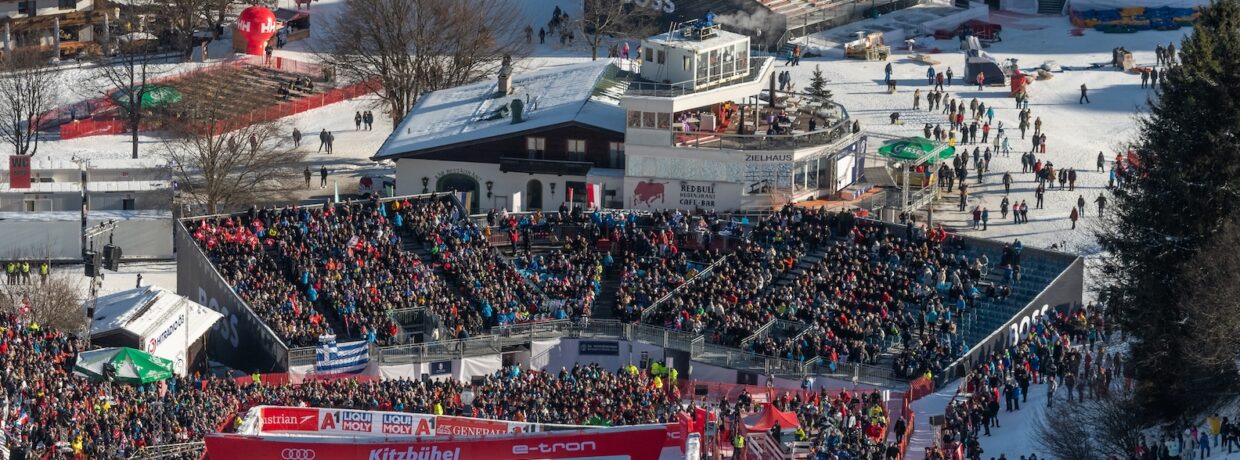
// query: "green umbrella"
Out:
[132,366]
[153,96]
[912,148]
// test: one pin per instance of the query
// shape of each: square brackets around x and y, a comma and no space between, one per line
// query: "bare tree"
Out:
[1210,310]
[1091,430]
[408,47]
[126,73]
[28,88]
[610,18]
[222,166]
[55,303]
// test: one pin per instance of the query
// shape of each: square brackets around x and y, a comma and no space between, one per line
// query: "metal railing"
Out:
[659,302]
[755,70]
[170,451]
[405,316]
[709,140]
[757,333]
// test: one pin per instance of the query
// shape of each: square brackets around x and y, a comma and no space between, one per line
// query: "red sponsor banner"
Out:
[634,443]
[460,426]
[19,171]
[289,418]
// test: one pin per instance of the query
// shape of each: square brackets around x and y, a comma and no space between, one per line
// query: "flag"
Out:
[347,358]
[594,195]
[570,196]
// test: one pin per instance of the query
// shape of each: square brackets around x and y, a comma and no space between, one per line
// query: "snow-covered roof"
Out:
[581,93]
[677,39]
[129,214]
[143,310]
[40,163]
[43,187]
[128,186]
[126,163]
[42,216]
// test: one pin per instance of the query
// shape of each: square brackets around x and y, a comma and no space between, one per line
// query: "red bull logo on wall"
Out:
[647,191]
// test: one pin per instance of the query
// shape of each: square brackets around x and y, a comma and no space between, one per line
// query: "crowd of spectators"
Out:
[1054,352]
[847,425]
[293,264]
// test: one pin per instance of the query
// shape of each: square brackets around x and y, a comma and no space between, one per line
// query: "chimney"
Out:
[504,86]
[517,111]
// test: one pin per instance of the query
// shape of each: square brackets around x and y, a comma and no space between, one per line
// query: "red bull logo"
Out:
[647,191]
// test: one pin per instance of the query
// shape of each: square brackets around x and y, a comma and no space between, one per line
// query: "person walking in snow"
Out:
[1084,99]
[938,81]
[323,177]
[917,99]
[307,174]
[357,121]
[930,76]
[1039,194]
[1080,204]
[1102,204]
[949,76]
[1102,162]
[296,138]
[323,141]
[1042,143]
[1071,179]
[368,119]
[985,218]
[1007,183]
[1003,207]
[981,80]
[1007,148]
[887,73]
[1073,217]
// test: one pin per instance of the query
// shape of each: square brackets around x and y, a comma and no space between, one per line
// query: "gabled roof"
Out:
[579,93]
[147,310]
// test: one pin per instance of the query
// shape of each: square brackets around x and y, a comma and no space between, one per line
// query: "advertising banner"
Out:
[598,348]
[19,171]
[441,367]
[341,422]
[633,443]
[464,426]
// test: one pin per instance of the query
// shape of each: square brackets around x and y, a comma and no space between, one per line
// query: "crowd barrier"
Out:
[70,128]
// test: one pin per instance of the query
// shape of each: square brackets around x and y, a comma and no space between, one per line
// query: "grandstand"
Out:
[764,296]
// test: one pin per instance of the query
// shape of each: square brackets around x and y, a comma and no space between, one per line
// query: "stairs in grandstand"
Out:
[809,260]
[605,302]
[788,8]
[1054,7]
[1036,275]
[761,445]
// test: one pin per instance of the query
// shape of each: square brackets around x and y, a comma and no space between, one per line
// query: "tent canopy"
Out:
[132,366]
[765,420]
[912,148]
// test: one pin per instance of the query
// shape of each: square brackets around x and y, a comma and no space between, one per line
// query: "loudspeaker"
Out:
[112,257]
[94,264]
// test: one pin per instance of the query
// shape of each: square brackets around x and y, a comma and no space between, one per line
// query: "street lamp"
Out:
[425,182]
[490,184]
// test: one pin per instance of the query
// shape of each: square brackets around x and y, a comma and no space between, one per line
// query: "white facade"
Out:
[21,9]
[154,320]
[511,191]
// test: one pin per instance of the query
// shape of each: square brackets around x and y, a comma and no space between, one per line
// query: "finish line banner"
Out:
[630,443]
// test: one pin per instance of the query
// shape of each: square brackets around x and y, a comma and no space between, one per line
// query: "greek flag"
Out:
[345,358]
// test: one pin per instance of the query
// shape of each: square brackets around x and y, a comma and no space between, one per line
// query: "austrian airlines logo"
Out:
[286,419]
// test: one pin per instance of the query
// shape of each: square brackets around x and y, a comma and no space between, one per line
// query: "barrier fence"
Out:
[70,129]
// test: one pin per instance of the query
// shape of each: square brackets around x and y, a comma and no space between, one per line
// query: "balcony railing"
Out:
[708,140]
[756,68]
[537,166]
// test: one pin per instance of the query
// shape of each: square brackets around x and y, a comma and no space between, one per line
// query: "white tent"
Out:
[154,320]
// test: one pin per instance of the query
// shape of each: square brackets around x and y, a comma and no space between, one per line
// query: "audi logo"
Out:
[297,454]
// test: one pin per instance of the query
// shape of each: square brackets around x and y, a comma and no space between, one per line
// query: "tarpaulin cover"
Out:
[765,420]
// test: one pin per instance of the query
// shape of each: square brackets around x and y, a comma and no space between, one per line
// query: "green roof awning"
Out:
[914,148]
[153,96]
[131,366]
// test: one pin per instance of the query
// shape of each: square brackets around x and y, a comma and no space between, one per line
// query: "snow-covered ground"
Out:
[1075,132]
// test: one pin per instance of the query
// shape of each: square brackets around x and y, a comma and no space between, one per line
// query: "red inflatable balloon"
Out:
[257,24]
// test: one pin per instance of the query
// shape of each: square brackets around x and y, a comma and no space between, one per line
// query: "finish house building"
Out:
[687,124]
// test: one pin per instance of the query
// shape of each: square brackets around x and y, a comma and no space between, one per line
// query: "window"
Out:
[686,60]
[615,155]
[635,119]
[26,7]
[577,149]
[661,56]
[68,4]
[535,146]
[649,55]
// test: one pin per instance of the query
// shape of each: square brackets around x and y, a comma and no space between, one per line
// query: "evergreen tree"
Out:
[818,86]
[1187,185]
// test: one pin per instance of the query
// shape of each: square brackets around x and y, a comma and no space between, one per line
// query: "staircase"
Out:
[1052,7]
[605,302]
